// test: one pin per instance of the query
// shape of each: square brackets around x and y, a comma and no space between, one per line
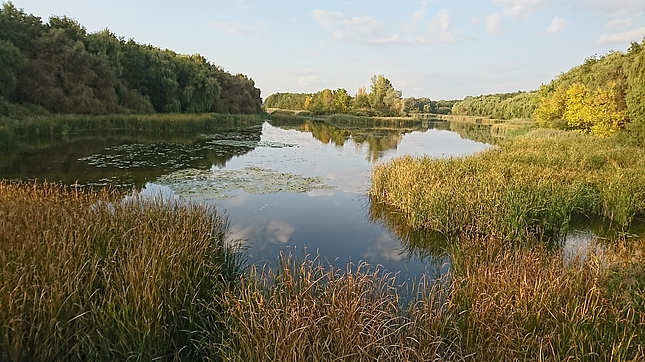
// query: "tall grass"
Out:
[304,311]
[531,185]
[84,276]
[93,276]
[532,304]
[55,125]
[500,304]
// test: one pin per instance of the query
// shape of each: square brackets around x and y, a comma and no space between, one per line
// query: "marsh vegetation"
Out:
[435,240]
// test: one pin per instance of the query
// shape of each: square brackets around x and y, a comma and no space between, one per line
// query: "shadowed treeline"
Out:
[58,67]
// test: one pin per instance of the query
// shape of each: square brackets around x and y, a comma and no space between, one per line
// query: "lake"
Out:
[299,186]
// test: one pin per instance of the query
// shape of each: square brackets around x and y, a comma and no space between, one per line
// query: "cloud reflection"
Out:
[278,231]
[387,247]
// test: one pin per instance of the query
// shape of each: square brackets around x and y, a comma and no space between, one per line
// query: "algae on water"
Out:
[217,184]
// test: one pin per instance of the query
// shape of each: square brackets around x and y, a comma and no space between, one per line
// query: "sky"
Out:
[441,49]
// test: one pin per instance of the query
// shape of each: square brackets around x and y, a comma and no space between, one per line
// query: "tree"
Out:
[342,101]
[11,60]
[383,97]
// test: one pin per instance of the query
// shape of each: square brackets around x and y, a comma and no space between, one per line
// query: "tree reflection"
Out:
[378,134]
[125,159]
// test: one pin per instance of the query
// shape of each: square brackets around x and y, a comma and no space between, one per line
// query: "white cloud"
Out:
[235,29]
[612,6]
[307,76]
[370,31]
[326,18]
[242,4]
[442,21]
[386,247]
[619,23]
[632,35]
[494,24]
[363,30]
[556,25]
[440,25]
[522,7]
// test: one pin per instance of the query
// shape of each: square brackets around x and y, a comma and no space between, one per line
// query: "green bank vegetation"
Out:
[602,96]
[58,67]
[531,185]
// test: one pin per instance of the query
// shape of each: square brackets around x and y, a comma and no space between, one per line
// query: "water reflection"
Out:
[377,135]
[284,184]
[422,244]
[121,159]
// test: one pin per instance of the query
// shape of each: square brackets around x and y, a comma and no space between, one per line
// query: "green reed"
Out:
[89,276]
[532,184]
[56,125]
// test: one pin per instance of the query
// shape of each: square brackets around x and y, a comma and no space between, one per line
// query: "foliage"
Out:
[601,96]
[499,106]
[383,100]
[426,105]
[60,67]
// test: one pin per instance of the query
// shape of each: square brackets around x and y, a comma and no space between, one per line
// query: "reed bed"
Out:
[61,124]
[95,276]
[90,276]
[531,185]
[498,304]
[304,311]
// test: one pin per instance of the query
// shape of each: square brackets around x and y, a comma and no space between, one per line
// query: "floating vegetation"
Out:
[175,156]
[216,183]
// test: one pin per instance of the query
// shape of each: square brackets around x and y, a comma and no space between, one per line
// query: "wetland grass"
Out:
[89,276]
[531,185]
[498,304]
[95,276]
[39,126]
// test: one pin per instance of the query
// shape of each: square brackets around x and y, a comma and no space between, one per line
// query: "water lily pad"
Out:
[217,183]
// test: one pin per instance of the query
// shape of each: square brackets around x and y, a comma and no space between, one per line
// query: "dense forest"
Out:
[499,106]
[382,100]
[59,67]
[602,96]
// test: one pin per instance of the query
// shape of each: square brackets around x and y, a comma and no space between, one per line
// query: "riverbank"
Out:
[86,277]
[43,126]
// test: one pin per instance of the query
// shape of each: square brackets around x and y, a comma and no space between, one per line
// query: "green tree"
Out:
[342,101]
[11,60]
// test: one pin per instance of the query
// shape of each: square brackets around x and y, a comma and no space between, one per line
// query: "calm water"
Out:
[285,186]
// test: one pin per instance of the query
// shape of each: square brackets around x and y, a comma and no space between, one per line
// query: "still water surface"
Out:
[296,186]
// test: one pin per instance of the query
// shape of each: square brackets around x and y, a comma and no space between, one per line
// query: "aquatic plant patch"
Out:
[217,184]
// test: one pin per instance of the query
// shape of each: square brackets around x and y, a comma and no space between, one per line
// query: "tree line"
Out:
[602,96]
[382,100]
[59,67]
[500,106]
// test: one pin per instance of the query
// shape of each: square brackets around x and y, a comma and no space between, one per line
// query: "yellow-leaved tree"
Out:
[577,108]
[549,113]
[609,119]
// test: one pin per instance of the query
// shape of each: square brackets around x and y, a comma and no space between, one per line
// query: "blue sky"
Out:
[434,48]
